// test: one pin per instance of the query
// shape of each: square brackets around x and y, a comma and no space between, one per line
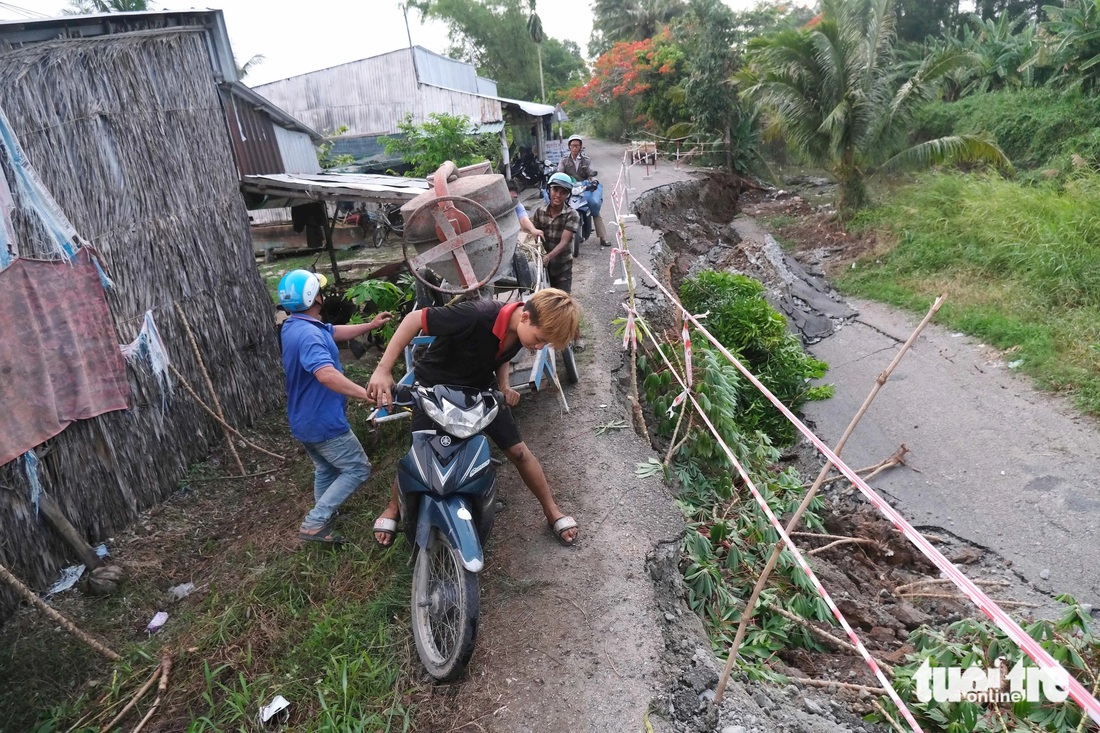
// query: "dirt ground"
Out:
[597,637]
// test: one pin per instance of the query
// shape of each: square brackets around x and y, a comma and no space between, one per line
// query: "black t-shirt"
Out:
[467,348]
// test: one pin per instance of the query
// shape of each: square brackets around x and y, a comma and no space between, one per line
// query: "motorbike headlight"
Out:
[459,422]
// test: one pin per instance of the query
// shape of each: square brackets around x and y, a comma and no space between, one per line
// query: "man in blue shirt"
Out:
[316,397]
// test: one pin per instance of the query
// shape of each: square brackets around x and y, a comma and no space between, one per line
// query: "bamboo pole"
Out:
[209,385]
[165,670]
[133,701]
[845,541]
[893,723]
[223,423]
[54,615]
[635,401]
[840,685]
[825,635]
[750,606]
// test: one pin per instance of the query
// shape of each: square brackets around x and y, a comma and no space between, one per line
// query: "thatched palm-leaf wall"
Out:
[128,134]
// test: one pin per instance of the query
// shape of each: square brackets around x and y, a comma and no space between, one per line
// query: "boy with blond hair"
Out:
[474,343]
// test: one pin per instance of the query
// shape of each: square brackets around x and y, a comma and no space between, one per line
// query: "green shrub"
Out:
[1036,128]
[757,335]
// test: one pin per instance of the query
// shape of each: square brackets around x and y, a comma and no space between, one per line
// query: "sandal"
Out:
[325,535]
[387,527]
[562,525]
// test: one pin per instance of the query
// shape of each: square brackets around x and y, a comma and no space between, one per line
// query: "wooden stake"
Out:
[209,385]
[57,519]
[55,616]
[750,606]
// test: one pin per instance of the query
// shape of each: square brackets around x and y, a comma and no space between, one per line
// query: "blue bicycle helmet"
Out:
[561,180]
[299,288]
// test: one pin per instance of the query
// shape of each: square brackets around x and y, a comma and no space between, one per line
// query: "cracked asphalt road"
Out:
[993,461]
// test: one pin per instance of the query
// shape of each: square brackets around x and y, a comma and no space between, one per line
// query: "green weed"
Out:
[325,629]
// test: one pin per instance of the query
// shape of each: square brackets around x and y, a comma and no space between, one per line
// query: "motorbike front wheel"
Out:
[444,609]
[379,234]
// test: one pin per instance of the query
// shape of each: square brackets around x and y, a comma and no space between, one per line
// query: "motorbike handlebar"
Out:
[402,394]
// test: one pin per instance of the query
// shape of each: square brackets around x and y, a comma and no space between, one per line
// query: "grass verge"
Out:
[325,629]
[1020,266]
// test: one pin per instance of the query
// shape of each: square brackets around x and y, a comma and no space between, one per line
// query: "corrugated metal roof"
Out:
[440,71]
[372,96]
[288,190]
[532,108]
[299,153]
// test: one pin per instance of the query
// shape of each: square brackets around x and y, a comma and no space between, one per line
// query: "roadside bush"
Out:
[728,538]
[440,138]
[1037,128]
[746,324]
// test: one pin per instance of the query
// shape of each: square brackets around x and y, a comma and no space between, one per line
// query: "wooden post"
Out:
[57,519]
[332,250]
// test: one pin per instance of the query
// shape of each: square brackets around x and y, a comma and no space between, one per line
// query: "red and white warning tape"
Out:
[783,534]
[987,606]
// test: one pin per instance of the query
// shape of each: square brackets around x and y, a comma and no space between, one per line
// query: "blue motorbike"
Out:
[446,493]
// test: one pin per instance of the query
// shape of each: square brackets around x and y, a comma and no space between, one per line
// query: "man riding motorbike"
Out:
[579,166]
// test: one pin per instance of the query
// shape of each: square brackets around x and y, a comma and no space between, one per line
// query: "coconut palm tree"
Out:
[630,20]
[246,68]
[534,27]
[833,91]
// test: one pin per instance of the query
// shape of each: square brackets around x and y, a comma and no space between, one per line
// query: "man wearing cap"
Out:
[316,397]
[558,224]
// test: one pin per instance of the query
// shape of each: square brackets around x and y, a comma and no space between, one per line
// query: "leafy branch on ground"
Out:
[978,643]
[728,540]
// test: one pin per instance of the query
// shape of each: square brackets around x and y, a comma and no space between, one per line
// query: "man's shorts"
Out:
[561,280]
[503,431]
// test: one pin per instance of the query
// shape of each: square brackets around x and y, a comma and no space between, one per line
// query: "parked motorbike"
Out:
[548,170]
[377,223]
[526,169]
[446,493]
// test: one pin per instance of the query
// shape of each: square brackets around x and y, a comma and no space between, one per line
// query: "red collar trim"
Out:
[500,327]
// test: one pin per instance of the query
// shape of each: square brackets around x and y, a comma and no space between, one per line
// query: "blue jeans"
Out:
[595,200]
[341,468]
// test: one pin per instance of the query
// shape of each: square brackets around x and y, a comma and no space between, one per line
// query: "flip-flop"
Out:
[562,525]
[386,526]
[326,535]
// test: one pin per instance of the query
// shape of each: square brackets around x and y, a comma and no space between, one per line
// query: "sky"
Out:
[325,33]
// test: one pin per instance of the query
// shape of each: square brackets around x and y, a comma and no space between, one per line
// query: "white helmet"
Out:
[578,138]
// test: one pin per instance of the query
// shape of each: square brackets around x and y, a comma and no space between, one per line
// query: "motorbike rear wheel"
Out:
[444,609]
